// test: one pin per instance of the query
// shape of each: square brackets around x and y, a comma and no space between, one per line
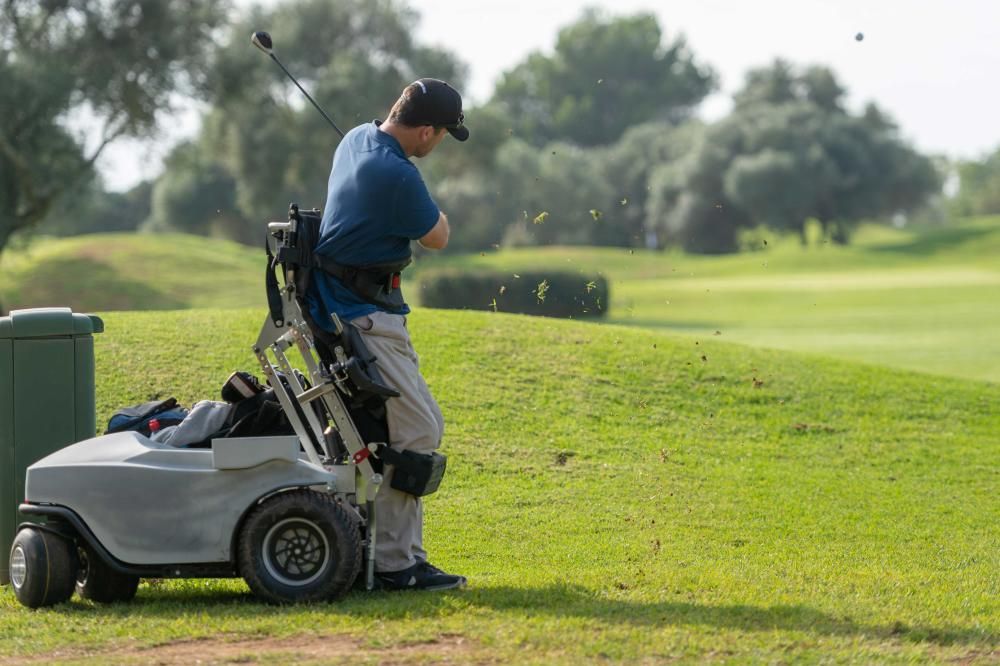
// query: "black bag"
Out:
[418,474]
[258,416]
[138,417]
[240,386]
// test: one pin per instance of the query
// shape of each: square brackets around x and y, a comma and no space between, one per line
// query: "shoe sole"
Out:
[438,588]
[430,588]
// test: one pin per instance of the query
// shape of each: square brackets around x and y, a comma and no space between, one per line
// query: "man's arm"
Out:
[437,237]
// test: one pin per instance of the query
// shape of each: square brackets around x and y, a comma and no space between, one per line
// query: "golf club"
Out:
[262,40]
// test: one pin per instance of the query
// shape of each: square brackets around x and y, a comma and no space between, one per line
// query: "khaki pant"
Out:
[415,423]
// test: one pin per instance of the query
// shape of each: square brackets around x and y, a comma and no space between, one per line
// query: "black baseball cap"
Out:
[436,103]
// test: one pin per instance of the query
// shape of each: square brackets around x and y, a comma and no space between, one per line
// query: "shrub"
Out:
[543,293]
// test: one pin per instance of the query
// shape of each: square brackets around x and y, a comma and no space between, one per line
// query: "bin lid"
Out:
[48,322]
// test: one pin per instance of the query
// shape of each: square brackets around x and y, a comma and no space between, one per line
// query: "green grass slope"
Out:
[101,272]
[927,300]
[920,300]
[613,494]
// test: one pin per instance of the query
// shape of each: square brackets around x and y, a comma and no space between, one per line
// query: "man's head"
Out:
[425,109]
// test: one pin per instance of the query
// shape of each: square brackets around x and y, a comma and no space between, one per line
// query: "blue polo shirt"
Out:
[376,204]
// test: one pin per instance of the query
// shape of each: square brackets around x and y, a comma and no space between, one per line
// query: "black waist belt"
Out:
[377,283]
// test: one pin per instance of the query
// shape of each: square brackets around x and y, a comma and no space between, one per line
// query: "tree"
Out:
[790,152]
[781,84]
[560,193]
[89,208]
[556,195]
[770,186]
[979,186]
[627,166]
[687,203]
[463,179]
[115,62]
[196,194]
[605,75]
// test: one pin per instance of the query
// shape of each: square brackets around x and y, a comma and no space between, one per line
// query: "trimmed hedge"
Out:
[542,293]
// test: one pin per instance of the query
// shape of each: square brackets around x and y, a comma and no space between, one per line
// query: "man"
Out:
[376,204]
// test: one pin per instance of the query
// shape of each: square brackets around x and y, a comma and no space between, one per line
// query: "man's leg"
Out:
[415,423]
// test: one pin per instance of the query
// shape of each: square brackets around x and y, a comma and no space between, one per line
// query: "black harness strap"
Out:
[376,283]
[274,304]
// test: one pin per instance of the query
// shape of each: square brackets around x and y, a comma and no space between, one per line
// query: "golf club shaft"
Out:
[332,124]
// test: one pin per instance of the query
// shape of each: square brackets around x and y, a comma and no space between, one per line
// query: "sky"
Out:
[933,65]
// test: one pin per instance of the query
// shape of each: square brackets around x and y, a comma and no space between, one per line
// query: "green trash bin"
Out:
[46,399]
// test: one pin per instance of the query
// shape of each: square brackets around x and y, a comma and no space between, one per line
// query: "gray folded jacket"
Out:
[204,420]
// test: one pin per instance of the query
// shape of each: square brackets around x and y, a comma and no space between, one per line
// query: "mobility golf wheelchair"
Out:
[294,515]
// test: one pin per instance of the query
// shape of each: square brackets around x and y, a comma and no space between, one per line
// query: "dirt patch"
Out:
[305,649]
[977,657]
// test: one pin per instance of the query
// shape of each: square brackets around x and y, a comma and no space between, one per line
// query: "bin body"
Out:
[46,399]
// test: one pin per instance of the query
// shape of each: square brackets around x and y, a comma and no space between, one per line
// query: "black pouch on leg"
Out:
[418,474]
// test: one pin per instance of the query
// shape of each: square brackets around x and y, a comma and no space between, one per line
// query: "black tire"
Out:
[299,547]
[96,581]
[42,567]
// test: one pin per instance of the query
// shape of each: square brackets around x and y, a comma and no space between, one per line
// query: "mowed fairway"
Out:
[928,302]
[614,495]
[944,320]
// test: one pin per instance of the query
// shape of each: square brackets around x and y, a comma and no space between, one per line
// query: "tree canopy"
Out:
[605,75]
[979,186]
[114,63]
[790,152]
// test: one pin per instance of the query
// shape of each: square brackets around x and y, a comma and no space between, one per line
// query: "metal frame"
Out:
[274,340]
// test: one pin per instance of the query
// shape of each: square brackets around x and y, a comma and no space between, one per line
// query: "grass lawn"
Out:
[927,301]
[127,271]
[614,494]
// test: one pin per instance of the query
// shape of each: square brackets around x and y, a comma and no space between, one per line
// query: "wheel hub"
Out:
[296,551]
[84,570]
[18,567]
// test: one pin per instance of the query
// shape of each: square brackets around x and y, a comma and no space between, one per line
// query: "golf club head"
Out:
[261,40]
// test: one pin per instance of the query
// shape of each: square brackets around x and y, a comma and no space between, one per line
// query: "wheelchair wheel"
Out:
[42,568]
[299,546]
[98,582]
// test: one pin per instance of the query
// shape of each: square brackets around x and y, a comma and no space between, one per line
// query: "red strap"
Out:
[396,278]
[361,456]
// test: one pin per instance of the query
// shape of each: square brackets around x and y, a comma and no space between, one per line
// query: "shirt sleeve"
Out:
[416,212]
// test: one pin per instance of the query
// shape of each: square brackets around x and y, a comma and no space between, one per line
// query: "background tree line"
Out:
[596,143]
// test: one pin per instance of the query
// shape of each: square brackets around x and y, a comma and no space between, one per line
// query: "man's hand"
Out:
[437,238]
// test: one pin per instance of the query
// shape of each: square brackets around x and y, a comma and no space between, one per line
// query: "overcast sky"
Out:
[934,65]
